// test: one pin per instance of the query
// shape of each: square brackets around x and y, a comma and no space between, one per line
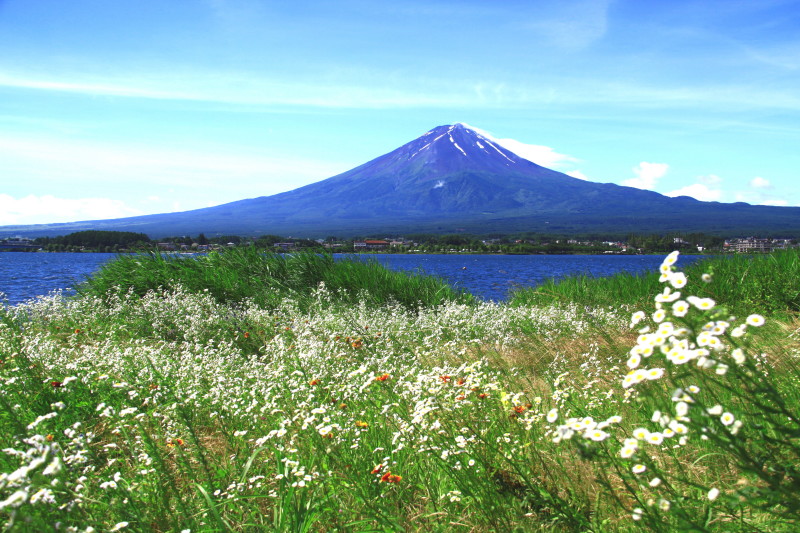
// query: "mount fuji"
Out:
[452,179]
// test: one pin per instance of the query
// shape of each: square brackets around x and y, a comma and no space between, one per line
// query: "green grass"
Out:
[766,284]
[245,273]
[163,406]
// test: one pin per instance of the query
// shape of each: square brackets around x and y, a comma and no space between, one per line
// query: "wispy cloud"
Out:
[195,176]
[571,25]
[33,209]
[243,89]
[376,89]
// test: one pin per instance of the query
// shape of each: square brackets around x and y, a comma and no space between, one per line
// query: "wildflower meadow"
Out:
[172,395]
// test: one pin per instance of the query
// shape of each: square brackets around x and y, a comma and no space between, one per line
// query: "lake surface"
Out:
[492,276]
[27,275]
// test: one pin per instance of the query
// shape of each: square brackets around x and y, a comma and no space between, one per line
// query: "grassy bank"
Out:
[767,282]
[303,407]
[266,279]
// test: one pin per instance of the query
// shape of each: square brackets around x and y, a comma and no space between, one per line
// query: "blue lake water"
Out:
[492,276]
[26,275]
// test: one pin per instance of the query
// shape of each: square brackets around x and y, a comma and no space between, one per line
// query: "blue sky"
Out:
[113,109]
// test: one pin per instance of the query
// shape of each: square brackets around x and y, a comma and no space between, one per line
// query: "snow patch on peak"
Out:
[421,149]
[457,146]
[500,151]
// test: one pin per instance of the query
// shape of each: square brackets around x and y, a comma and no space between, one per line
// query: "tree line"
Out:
[95,240]
[524,243]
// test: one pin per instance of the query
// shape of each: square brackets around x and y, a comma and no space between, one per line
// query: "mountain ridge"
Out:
[450,179]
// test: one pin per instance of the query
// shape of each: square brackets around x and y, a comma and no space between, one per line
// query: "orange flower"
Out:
[444,379]
[77,330]
[175,442]
[376,469]
[246,334]
[483,395]
[382,377]
[519,409]
[459,398]
[56,384]
[152,386]
[388,477]
[358,343]
[314,382]
[461,381]
[361,424]
[49,437]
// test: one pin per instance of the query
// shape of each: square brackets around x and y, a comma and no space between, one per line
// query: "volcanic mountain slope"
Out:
[451,179]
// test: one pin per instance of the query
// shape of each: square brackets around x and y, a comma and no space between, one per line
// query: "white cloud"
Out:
[539,154]
[760,183]
[33,209]
[779,203]
[577,174]
[759,198]
[698,191]
[647,174]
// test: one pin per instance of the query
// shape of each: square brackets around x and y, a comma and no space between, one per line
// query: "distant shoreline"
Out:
[710,253]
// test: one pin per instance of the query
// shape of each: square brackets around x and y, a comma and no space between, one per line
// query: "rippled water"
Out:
[492,276]
[27,275]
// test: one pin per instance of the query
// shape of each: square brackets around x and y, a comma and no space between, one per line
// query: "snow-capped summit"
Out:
[452,178]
